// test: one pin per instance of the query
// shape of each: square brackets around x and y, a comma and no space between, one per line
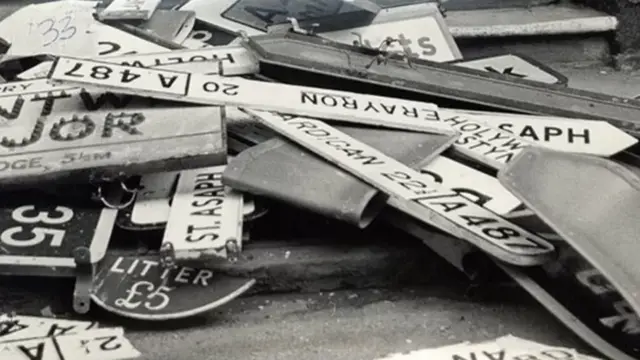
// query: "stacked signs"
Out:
[167,145]
[31,337]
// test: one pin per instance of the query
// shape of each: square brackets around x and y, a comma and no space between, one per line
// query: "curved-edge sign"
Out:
[139,287]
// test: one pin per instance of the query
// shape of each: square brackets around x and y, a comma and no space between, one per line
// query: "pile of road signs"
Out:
[135,159]
[30,337]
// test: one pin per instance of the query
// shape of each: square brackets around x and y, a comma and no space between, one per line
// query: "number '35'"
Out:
[53,30]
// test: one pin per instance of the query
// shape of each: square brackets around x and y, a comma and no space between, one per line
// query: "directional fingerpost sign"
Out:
[139,287]
[518,66]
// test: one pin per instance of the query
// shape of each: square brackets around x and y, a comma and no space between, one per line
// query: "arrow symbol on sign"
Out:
[506,71]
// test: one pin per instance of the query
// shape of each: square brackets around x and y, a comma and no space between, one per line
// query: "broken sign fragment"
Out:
[139,287]
[588,201]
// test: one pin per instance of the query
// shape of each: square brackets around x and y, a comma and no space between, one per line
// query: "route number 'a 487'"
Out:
[37,226]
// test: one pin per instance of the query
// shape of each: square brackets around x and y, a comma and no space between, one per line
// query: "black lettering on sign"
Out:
[11,327]
[110,47]
[104,72]
[210,187]
[49,100]
[473,195]
[311,129]
[403,179]
[15,109]
[492,227]
[108,343]
[79,128]
[502,146]
[116,101]
[550,132]
[34,352]
[57,330]
[595,281]
[626,320]
[200,233]
[21,164]
[331,100]
[427,48]
[11,87]
[227,89]
[485,355]
[125,122]
[142,268]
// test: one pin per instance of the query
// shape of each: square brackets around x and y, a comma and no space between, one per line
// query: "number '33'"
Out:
[52,30]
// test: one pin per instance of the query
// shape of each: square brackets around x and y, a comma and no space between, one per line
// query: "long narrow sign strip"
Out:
[412,192]
[561,134]
[234,60]
[205,220]
[211,89]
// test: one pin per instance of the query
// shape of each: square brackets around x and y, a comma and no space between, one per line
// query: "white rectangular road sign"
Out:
[211,89]
[561,134]
[412,192]
[152,202]
[205,220]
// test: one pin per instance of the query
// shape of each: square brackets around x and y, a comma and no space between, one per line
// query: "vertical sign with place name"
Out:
[205,220]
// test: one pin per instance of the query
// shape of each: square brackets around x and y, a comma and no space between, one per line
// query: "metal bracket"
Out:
[167,255]
[84,280]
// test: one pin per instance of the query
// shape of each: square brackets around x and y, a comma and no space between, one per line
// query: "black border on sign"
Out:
[63,266]
[561,79]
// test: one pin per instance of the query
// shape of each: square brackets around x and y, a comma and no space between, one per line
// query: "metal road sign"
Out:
[28,327]
[205,219]
[211,89]
[39,232]
[139,287]
[561,134]
[588,201]
[518,66]
[102,144]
